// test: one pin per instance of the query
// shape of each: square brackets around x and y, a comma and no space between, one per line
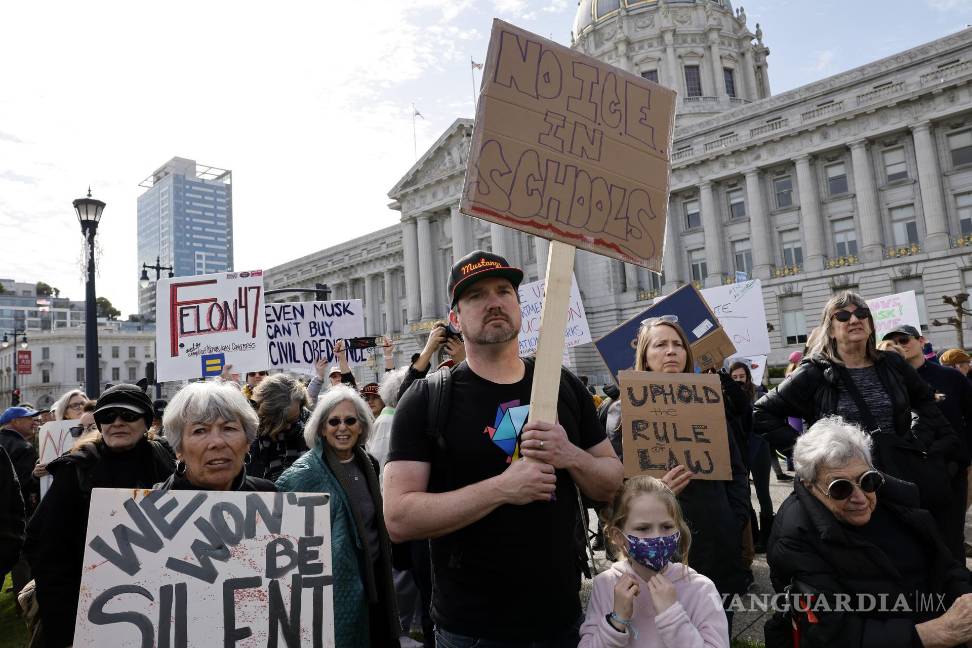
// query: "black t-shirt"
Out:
[514,573]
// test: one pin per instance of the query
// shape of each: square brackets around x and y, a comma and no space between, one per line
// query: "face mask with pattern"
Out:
[653,553]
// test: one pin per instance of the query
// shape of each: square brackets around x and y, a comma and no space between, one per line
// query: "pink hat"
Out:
[796,357]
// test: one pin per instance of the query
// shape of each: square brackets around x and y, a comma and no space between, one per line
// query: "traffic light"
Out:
[150,372]
[15,399]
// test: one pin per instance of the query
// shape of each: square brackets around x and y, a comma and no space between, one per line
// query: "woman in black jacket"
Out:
[846,375]
[848,532]
[119,455]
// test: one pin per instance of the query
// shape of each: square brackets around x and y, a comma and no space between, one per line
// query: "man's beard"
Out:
[490,334]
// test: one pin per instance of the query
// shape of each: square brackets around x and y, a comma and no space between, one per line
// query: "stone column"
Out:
[391,303]
[411,254]
[930,182]
[672,260]
[460,233]
[630,277]
[759,227]
[712,225]
[371,306]
[500,241]
[671,62]
[867,204]
[426,270]
[810,216]
[749,71]
[542,246]
[716,60]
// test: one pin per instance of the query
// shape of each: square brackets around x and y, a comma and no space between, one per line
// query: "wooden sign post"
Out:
[574,150]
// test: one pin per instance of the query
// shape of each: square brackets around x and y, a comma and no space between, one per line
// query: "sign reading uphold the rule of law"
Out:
[188,568]
[673,419]
[570,149]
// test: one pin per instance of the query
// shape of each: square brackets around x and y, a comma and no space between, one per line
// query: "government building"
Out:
[861,181]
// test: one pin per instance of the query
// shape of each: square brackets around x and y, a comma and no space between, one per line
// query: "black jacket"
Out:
[957,406]
[241,482]
[23,456]
[56,533]
[811,551]
[12,515]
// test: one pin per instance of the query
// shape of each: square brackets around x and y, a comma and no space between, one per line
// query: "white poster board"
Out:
[210,568]
[740,310]
[299,333]
[206,322]
[892,311]
[578,331]
[53,440]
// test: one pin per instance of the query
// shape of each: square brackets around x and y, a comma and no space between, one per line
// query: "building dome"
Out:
[592,12]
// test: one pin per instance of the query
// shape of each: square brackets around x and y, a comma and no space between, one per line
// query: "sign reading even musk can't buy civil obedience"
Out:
[187,568]
[570,149]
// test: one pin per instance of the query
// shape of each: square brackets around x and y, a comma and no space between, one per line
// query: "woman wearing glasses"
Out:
[70,406]
[119,455]
[364,597]
[849,531]
[879,391]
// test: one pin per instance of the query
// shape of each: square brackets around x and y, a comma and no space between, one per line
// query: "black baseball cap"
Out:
[480,265]
[904,329]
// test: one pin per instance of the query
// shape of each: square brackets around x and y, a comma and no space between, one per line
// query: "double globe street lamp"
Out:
[89,215]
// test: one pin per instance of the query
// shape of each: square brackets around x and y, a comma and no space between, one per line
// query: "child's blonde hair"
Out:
[616,515]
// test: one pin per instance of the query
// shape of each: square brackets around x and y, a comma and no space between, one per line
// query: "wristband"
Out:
[627,623]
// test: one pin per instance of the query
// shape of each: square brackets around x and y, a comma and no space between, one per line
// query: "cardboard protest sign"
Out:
[206,322]
[53,440]
[300,333]
[709,342]
[673,419]
[742,315]
[892,311]
[571,149]
[206,568]
[578,331]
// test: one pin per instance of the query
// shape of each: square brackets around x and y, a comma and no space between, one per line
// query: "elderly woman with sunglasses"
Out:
[364,597]
[846,375]
[120,454]
[849,533]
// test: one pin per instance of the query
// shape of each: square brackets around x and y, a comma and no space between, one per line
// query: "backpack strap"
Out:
[438,401]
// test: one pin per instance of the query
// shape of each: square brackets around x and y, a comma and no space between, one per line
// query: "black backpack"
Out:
[439,385]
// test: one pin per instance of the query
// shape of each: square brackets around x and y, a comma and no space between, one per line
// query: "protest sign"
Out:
[742,315]
[892,311]
[206,322]
[578,331]
[673,419]
[206,568]
[53,440]
[571,149]
[300,333]
[709,342]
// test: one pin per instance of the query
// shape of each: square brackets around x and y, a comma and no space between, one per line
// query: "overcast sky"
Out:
[308,103]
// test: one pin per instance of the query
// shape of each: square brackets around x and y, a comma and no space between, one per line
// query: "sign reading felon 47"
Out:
[204,568]
[571,149]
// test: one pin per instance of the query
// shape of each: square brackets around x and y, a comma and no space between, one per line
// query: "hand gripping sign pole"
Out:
[573,150]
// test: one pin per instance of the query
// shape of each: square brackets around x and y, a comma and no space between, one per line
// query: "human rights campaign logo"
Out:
[505,432]
[212,364]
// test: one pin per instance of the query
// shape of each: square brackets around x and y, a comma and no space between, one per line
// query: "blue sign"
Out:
[212,364]
[686,306]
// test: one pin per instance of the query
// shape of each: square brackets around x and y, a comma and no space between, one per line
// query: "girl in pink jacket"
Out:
[648,600]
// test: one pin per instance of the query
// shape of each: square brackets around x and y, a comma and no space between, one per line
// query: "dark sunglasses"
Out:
[901,340]
[844,315]
[348,421]
[78,430]
[256,373]
[107,417]
[869,482]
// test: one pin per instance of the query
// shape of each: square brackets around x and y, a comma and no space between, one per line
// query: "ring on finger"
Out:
[541,444]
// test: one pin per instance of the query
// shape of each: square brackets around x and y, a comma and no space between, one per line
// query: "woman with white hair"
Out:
[336,463]
[855,540]
[70,406]
[210,426]
[380,436]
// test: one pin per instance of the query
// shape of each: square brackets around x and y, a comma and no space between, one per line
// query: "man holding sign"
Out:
[504,558]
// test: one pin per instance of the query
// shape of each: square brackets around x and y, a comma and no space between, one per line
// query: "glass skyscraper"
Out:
[185,219]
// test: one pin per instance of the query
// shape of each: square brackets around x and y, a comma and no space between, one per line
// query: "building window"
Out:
[903,225]
[79,352]
[45,353]
[45,376]
[651,75]
[792,248]
[742,255]
[131,374]
[794,321]
[895,167]
[79,374]
[845,237]
[115,352]
[737,204]
[404,318]
[693,218]
[730,78]
[148,351]
[693,81]
[963,205]
[697,265]
[836,179]
[115,373]
[960,144]
[131,352]
[783,191]
[915,284]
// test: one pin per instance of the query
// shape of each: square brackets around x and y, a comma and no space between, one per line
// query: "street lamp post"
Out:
[144,280]
[23,345]
[89,214]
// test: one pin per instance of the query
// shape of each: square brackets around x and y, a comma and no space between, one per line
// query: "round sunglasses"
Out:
[844,315]
[841,489]
[107,417]
[348,421]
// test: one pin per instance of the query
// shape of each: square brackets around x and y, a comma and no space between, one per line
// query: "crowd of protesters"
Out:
[480,543]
